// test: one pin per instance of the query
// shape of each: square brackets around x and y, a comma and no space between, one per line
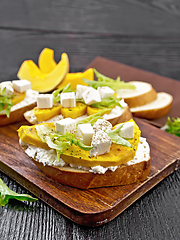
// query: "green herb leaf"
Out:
[57,141]
[94,117]
[57,93]
[106,81]
[6,194]
[114,135]
[6,103]
[172,126]
[107,102]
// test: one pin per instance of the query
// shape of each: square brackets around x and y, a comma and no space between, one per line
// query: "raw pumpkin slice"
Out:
[76,78]
[74,112]
[46,61]
[42,82]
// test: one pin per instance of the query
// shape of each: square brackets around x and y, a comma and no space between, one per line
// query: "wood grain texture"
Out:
[142,17]
[156,54]
[146,34]
[88,207]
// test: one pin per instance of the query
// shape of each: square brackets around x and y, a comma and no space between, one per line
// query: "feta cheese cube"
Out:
[102,124]
[101,143]
[21,85]
[45,101]
[6,88]
[85,133]
[105,92]
[91,96]
[65,125]
[122,103]
[80,89]
[127,131]
[68,99]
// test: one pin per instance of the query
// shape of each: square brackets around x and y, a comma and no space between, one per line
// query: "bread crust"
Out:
[124,117]
[156,112]
[124,175]
[15,116]
[141,99]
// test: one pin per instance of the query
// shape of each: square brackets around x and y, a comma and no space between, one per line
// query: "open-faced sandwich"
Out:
[88,153]
[16,97]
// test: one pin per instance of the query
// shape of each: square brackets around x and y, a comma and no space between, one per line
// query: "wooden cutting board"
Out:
[95,206]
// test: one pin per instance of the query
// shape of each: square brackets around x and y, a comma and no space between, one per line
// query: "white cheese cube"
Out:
[21,85]
[102,124]
[68,99]
[80,89]
[6,88]
[122,103]
[45,101]
[85,133]
[127,131]
[91,96]
[101,144]
[105,92]
[65,125]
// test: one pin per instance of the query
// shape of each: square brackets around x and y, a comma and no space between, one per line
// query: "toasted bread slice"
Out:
[18,110]
[155,109]
[133,171]
[122,116]
[143,94]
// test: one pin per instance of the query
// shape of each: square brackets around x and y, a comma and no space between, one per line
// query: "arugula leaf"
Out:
[106,81]
[114,135]
[94,117]
[173,126]
[57,93]
[6,194]
[6,103]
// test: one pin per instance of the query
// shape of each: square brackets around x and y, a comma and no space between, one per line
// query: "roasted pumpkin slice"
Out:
[43,114]
[117,155]
[18,97]
[74,112]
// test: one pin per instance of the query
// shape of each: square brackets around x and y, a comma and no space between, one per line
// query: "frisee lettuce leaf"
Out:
[107,102]
[57,93]
[6,103]
[94,117]
[114,135]
[106,81]
[57,141]
[6,194]
[172,126]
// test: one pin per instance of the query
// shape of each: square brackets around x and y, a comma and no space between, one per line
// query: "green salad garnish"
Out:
[114,135]
[172,126]
[6,194]
[109,82]
[57,93]
[5,102]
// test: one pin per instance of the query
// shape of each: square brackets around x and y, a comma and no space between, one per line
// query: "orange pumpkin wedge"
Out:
[40,81]
[76,78]
[46,61]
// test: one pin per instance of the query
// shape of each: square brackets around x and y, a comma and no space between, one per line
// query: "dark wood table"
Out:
[144,34]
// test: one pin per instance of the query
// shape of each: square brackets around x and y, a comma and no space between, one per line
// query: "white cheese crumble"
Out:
[101,143]
[49,157]
[102,124]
